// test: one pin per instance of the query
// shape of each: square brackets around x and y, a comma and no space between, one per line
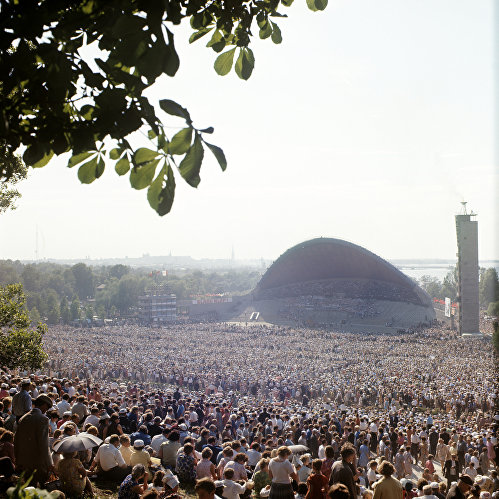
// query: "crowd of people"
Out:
[257,410]
[365,289]
[298,308]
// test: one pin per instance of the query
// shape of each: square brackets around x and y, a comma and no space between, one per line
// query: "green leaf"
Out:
[115,153]
[219,154]
[261,20]
[245,63]
[162,142]
[87,111]
[198,34]
[151,134]
[287,3]
[223,63]
[122,166]
[87,172]
[175,109]
[316,5]
[181,142]
[265,31]
[141,176]
[172,61]
[144,155]
[161,196]
[88,7]
[210,129]
[191,164]
[78,158]
[43,161]
[100,167]
[276,33]
[36,156]
[217,42]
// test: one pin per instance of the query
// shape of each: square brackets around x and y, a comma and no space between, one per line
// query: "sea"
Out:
[439,269]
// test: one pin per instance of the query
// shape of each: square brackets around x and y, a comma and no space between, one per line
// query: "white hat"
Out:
[138,444]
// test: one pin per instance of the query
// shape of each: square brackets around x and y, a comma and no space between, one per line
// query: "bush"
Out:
[493,309]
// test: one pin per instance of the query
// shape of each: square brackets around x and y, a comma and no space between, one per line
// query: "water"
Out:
[417,269]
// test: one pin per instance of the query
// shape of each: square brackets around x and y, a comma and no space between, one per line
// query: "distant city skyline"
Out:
[371,122]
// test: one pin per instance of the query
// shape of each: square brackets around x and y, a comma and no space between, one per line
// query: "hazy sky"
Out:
[370,122]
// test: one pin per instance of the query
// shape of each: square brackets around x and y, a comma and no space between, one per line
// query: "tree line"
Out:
[63,293]
[488,288]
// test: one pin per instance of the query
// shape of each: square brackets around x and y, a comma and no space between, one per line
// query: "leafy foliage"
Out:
[20,346]
[22,490]
[13,168]
[495,337]
[56,97]
[437,289]
[488,287]
[493,309]
[52,290]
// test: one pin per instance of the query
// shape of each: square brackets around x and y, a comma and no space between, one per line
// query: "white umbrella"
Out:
[75,443]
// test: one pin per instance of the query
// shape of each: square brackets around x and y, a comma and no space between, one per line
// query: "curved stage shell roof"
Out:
[328,258]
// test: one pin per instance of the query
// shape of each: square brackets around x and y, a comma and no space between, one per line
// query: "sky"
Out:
[371,122]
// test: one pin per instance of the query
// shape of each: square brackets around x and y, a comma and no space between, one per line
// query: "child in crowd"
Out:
[301,491]
[317,482]
[371,474]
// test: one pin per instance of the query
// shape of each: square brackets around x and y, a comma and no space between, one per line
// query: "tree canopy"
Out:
[65,293]
[55,98]
[20,344]
[16,171]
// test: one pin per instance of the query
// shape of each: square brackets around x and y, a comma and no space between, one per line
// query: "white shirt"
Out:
[253,457]
[156,442]
[303,473]
[281,470]
[231,489]
[108,456]
[62,407]
[92,419]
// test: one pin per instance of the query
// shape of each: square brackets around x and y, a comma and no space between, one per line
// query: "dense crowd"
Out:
[253,410]
[365,289]
[298,308]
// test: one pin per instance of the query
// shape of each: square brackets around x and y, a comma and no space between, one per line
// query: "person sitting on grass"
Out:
[131,487]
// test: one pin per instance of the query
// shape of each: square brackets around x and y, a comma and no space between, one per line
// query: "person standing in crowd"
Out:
[343,471]
[387,487]
[21,401]
[31,442]
[452,469]
[460,488]
[281,472]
